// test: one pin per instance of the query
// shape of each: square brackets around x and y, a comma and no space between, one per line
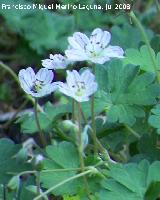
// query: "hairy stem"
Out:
[144,35]
[42,137]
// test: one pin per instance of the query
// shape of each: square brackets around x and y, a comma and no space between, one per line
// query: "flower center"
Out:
[93,54]
[80,88]
[95,50]
[37,86]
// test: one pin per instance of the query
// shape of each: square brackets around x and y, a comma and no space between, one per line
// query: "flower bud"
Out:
[68,125]
[38,162]
[14,183]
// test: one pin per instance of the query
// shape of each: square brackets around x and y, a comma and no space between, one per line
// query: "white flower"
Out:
[56,61]
[39,84]
[79,86]
[95,49]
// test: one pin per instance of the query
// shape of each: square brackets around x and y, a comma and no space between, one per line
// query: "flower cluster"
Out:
[79,86]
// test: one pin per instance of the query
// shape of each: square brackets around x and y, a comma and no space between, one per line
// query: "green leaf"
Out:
[131,181]
[155,43]
[154,119]
[64,151]
[7,163]
[67,197]
[153,173]
[148,147]
[142,58]
[14,183]
[128,36]
[153,191]
[61,156]
[125,91]
[65,156]
[51,112]
[99,107]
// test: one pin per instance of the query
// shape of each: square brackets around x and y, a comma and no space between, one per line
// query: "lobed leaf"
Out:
[126,92]
[142,58]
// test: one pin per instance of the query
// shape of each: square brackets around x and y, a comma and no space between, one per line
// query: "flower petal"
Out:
[81,98]
[48,89]
[72,78]
[47,63]
[27,78]
[30,74]
[100,59]
[101,37]
[87,77]
[78,41]
[114,51]
[92,89]
[63,87]
[106,38]
[96,36]
[56,61]
[45,75]
[76,55]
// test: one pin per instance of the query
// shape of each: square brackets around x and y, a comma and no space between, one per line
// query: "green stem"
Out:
[104,152]
[63,182]
[73,111]
[45,171]
[80,150]
[100,147]
[18,192]
[38,183]
[82,114]
[42,137]
[23,173]
[10,71]
[132,131]
[93,121]
[139,25]
[61,170]
[4,192]
[80,140]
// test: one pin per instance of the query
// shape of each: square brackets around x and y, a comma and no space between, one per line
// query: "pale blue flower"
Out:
[95,49]
[37,85]
[79,86]
[56,61]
